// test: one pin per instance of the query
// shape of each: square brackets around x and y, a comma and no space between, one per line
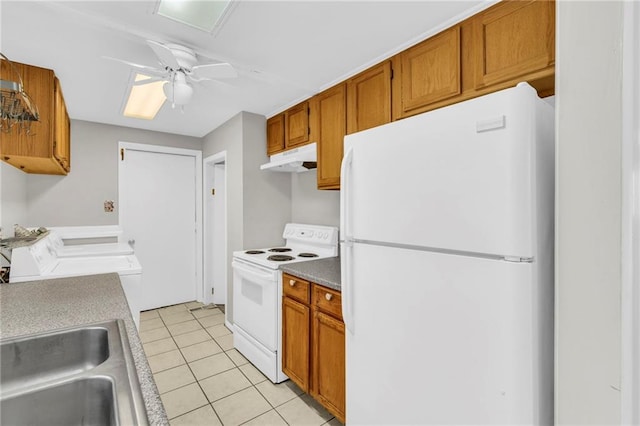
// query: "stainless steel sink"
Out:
[80,402]
[75,376]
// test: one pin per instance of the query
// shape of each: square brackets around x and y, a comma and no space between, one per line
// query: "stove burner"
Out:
[307,255]
[280,249]
[279,257]
[254,252]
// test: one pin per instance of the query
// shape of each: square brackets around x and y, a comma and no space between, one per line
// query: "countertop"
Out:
[37,306]
[322,271]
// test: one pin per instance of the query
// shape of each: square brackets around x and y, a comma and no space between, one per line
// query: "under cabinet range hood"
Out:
[294,160]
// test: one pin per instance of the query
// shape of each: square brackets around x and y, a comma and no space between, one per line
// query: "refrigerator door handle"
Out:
[345,169]
[347,244]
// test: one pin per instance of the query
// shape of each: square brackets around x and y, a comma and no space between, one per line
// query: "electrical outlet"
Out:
[108,206]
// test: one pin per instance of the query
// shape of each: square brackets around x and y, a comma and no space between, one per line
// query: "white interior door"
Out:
[159,192]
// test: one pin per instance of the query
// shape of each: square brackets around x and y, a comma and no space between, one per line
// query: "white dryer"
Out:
[40,261]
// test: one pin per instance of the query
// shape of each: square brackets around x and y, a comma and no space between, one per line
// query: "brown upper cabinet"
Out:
[289,129]
[62,134]
[508,43]
[330,127]
[429,72]
[296,124]
[275,134]
[514,40]
[46,150]
[369,98]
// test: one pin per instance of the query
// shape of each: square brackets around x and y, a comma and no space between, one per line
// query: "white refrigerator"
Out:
[447,265]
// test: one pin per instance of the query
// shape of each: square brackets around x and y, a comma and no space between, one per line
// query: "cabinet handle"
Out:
[292,282]
[328,296]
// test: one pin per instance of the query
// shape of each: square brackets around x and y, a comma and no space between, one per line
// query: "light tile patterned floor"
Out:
[203,380]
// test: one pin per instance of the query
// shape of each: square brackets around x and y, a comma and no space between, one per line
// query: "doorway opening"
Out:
[215,230]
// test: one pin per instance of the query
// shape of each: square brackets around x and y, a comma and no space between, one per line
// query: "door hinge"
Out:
[121,154]
[213,191]
[212,290]
[391,73]
[308,130]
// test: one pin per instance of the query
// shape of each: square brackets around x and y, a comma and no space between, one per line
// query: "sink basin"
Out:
[80,402]
[75,376]
[31,360]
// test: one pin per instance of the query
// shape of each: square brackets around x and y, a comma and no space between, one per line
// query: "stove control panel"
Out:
[311,233]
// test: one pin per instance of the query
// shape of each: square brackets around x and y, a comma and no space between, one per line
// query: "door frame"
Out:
[208,165]
[630,297]
[198,197]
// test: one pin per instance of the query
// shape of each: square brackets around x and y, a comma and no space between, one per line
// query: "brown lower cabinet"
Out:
[313,350]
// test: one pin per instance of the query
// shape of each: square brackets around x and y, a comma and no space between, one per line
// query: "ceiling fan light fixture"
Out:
[146,100]
[178,92]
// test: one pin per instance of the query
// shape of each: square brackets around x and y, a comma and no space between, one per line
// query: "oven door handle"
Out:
[254,274]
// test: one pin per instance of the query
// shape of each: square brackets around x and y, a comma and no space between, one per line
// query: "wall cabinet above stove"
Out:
[289,129]
[47,150]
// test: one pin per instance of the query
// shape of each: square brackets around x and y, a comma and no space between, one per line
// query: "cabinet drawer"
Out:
[327,300]
[295,288]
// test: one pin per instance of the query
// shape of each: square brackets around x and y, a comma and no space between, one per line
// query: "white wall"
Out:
[258,202]
[77,199]
[13,205]
[588,221]
[310,205]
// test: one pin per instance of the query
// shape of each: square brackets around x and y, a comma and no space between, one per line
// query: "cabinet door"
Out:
[329,363]
[61,143]
[275,134]
[513,38]
[330,115]
[429,72]
[295,341]
[369,98]
[297,125]
[38,84]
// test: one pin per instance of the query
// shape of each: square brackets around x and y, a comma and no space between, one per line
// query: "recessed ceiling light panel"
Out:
[145,100]
[201,14]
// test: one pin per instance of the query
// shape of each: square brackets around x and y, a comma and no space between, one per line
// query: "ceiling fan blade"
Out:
[147,70]
[148,80]
[213,72]
[164,54]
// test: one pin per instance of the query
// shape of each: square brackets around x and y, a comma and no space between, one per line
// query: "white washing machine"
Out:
[40,261]
[88,250]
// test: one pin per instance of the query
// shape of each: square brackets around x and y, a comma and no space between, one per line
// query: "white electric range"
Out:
[257,292]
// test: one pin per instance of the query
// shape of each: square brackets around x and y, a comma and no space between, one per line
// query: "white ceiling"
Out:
[285,51]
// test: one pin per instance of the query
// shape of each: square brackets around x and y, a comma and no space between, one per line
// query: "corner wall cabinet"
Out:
[47,149]
[508,43]
[313,341]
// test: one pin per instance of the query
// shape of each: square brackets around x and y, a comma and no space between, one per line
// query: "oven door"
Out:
[255,302]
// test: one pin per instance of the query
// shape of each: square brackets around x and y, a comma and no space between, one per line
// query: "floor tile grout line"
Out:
[236,366]
[197,381]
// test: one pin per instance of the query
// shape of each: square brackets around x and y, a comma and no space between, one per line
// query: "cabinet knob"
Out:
[292,282]
[328,296]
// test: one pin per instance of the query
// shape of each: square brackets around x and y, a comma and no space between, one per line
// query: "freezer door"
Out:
[442,339]
[458,178]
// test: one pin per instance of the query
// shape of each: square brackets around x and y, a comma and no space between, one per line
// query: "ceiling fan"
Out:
[179,69]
